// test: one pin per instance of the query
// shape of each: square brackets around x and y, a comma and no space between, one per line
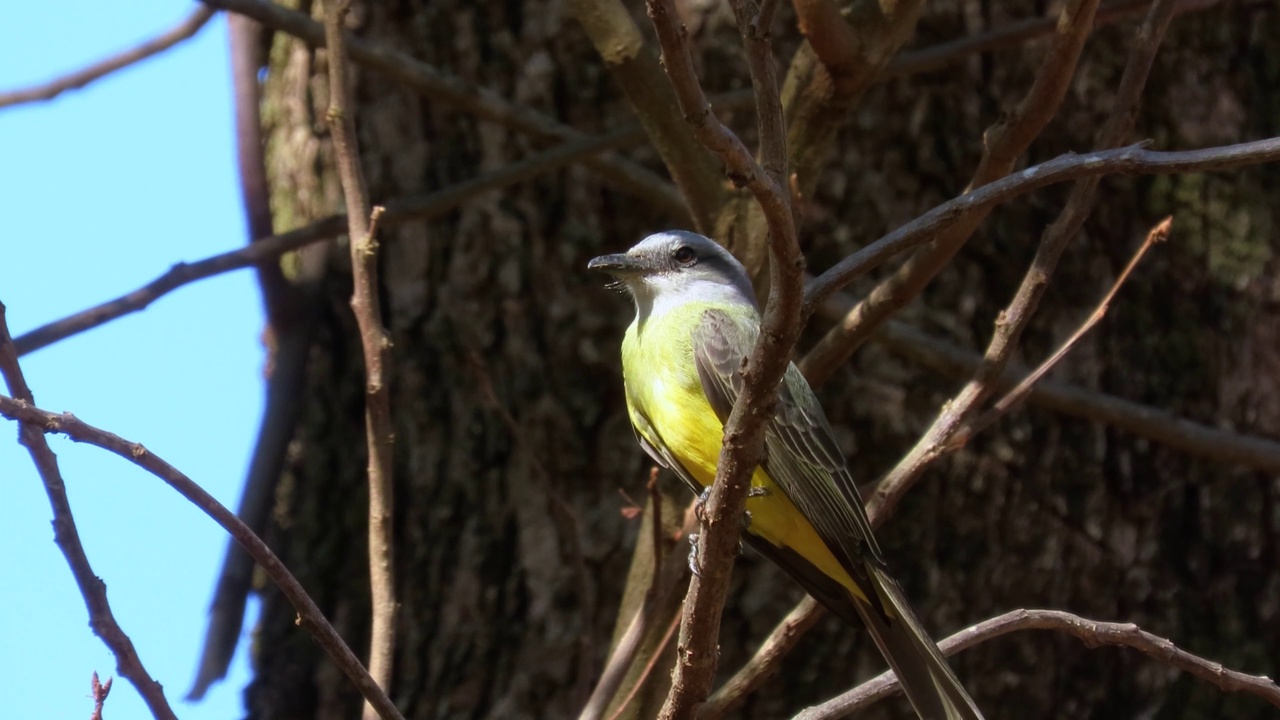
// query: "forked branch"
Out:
[309,615]
[67,536]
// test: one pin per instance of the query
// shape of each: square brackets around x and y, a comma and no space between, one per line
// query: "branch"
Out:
[65,534]
[379,433]
[743,433]
[82,77]
[417,207]
[1004,143]
[1179,434]
[1129,160]
[1092,633]
[655,606]
[450,89]
[1011,322]
[767,660]
[1159,233]
[309,615]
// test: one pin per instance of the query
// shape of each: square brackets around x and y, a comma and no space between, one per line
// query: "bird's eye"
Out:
[685,255]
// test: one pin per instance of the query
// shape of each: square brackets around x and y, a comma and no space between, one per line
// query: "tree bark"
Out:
[513,448]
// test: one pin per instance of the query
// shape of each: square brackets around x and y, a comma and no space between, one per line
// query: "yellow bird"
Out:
[696,321]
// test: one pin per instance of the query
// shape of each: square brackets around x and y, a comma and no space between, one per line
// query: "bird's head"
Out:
[674,267]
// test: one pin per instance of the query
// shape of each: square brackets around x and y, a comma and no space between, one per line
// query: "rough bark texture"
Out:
[512,443]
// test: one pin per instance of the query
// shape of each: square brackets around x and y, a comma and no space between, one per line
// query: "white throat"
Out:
[656,296]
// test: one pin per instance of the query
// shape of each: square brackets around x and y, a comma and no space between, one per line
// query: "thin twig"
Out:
[309,615]
[82,77]
[697,648]
[1092,633]
[466,97]
[1011,399]
[1011,322]
[362,224]
[769,657]
[67,536]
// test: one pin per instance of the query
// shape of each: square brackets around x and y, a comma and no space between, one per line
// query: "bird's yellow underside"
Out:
[663,386]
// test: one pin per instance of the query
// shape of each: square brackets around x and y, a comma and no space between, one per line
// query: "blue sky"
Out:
[102,190]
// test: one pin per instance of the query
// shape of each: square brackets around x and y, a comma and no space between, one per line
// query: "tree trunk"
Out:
[515,462]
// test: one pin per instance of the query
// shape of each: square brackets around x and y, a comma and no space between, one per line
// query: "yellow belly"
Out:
[663,386]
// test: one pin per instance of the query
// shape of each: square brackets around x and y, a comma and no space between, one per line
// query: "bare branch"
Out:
[82,77]
[1004,143]
[1129,160]
[483,103]
[309,616]
[743,433]
[418,207]
[1091,632]
[1159,233]
[362,223]
[767,660]
[67,536]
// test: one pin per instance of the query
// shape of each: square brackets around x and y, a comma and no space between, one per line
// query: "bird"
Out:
[682,358]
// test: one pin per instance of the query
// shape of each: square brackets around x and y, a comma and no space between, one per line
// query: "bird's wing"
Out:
[802,457]
[656,449]
[801,453]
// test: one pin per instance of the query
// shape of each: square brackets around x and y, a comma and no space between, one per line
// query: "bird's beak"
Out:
[620,265]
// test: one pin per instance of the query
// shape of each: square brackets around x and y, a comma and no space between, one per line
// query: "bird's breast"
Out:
[662,385]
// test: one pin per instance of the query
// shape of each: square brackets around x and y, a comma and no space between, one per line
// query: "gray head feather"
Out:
[674,267]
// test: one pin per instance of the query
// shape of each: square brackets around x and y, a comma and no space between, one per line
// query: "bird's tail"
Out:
[931,686]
